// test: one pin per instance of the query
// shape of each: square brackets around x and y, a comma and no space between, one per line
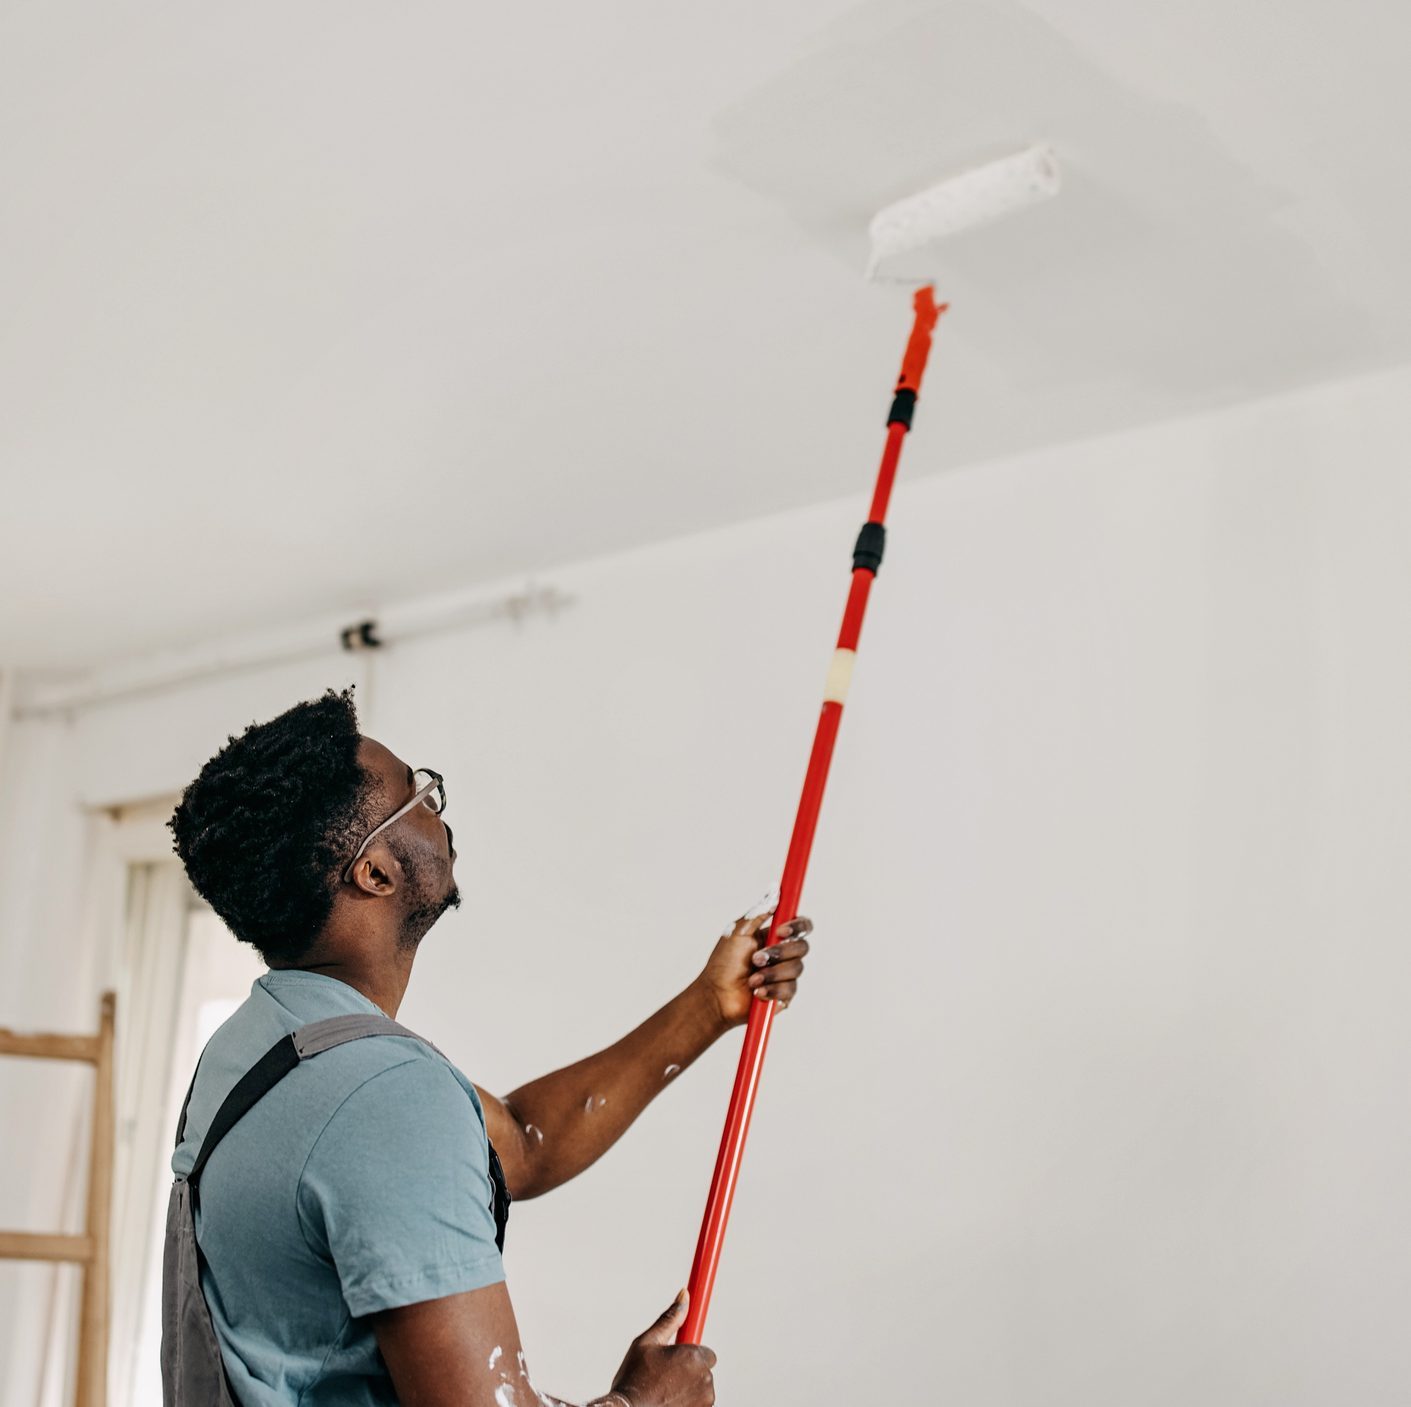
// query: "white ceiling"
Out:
[306,307]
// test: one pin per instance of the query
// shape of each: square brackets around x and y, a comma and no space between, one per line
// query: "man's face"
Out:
[420,841]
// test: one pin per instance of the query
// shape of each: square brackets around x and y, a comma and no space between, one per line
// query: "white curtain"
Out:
[149,996]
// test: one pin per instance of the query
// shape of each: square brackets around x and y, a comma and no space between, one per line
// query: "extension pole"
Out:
[866,558]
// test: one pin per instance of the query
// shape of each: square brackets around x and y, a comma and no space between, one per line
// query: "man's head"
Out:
[269,826]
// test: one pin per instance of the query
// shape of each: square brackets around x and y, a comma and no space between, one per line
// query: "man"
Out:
[348,1222]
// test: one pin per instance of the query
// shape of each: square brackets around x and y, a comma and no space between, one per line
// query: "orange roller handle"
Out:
[918,345]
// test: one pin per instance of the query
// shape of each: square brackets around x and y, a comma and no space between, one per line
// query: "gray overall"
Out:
[192,1372]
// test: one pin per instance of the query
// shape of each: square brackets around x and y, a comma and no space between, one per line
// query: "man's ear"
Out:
[377,872]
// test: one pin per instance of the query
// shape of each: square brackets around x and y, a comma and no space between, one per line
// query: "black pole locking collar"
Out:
[903,407]
[871,542]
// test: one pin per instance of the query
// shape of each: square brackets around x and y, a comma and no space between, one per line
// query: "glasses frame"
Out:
[436,784]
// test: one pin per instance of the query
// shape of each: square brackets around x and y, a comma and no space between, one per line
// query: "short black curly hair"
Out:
[271,820]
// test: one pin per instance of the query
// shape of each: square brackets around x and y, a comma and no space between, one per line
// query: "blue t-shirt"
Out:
[360,1182]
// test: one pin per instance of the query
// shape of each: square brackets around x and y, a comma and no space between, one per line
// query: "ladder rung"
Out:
[37,1245]
[44,1047]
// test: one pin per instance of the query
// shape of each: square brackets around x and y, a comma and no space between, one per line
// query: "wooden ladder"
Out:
[91,1249]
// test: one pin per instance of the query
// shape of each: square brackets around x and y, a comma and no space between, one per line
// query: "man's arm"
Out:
[464,1351]
[551,1129]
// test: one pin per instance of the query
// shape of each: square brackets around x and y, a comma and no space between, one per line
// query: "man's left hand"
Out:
[741,969]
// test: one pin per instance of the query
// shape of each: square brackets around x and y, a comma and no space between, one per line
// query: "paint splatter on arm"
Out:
[550,1130]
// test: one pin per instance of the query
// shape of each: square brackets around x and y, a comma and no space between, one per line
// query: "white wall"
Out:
[1095,1092]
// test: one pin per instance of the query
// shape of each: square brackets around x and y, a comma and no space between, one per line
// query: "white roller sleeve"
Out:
[971,199]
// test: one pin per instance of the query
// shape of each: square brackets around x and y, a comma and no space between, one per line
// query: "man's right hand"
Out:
[463,1350]
[658,1372]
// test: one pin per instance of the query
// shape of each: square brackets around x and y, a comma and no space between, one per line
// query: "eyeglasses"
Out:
[430,792]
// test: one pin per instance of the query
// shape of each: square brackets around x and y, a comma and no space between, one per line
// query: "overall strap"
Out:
[274,1065]
[319,1036]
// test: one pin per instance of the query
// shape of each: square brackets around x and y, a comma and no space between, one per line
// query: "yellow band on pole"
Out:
[835,687]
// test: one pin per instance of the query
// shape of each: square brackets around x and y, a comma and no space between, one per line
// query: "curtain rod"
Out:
[329,635]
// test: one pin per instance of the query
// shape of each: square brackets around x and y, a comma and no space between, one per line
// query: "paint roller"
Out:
[901,234]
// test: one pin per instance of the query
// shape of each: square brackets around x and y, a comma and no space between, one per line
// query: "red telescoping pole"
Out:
[867,557]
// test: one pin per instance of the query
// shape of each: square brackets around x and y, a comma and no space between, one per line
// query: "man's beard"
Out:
[423,907]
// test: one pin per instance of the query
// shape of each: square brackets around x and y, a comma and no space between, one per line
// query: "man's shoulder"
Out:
[375,1113]
[379,1070]
[355,1063]
[313,1093]
[387,1068]
[281,1004]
